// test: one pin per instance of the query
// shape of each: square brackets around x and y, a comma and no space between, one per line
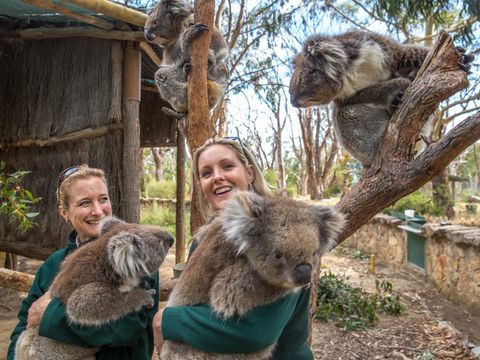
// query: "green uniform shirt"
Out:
[130,337]
[284,321]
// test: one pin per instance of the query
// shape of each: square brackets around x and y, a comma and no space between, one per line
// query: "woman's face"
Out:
[221,174]
[88,204]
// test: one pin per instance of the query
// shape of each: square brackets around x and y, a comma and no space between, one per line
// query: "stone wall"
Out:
[452,254]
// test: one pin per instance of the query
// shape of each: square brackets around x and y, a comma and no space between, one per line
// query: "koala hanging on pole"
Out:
[170,24]
[256,251]
[99,283]
[365,74]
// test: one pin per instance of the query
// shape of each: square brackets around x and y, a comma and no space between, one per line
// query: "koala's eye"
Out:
[278,255]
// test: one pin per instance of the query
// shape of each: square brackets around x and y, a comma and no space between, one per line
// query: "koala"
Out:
[365,74]
[172,80]
[99,283]
[170,25]
[256,251]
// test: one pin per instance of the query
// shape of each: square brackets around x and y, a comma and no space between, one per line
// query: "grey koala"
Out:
[99,283]
[257,250]
[365,74]
[170,24]
[172,79]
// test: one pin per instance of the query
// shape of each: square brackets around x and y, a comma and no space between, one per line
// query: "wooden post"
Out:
[15,280]
[130,202]
[180,205]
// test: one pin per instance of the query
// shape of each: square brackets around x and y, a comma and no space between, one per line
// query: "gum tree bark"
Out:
[198,130]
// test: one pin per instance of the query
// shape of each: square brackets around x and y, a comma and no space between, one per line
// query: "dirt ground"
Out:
[431,327]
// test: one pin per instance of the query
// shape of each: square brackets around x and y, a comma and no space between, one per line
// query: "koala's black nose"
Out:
[169,238]
[148,35]
[294,101]
[302,274]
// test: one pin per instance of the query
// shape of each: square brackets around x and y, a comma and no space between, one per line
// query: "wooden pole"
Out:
[27,250]
[50,5]
[180,205]
[15,280]
[112,10]
[130,202]
[80,31]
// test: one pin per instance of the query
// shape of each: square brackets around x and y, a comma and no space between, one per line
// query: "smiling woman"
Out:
[83,201]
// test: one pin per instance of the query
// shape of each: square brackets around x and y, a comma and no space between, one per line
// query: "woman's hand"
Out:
[35,313]
[157,330]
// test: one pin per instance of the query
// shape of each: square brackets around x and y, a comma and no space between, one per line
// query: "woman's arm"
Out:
[123,332]
[201,328]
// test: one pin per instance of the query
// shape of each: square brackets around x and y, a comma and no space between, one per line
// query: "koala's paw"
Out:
[187,67]
[198,29]
[466,59]
[150,302]
[394,101]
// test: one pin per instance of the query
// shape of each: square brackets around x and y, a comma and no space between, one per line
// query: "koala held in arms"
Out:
[365,74]
[99,283]
[255,251]
[170,25]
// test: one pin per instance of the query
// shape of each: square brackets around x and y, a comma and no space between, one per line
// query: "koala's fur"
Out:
[256,251]
[99,283]
[170,25]
[365,74]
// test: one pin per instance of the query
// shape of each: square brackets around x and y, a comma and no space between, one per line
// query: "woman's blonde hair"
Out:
[70,175]
[259,184]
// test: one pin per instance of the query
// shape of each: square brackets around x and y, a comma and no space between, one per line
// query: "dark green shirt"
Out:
[284,322]
[128,338]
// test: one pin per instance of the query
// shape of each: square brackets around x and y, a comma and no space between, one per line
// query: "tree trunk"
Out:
[158,154]
[442,196]
[199,129]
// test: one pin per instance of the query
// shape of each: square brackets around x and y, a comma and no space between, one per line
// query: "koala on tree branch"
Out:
[365,74]
[256,251]
[170,25]
[99,283]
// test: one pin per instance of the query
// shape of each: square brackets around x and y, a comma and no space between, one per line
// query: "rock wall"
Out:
[452,254]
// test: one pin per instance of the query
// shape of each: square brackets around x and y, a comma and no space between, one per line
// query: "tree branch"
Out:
[394,172]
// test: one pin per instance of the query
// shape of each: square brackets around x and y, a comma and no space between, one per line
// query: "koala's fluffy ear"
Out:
[330,224]
[126,252]
[239,218]
[108,223]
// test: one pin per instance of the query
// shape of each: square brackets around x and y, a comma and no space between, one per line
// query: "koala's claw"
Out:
[199,28]
[187,67]
[464,63]
[395,101]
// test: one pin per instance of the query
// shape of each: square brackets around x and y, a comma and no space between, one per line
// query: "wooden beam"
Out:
[27,250]
[81,31]
[50,5]
[112,10]
[150,52]
[81,134]
[15,280]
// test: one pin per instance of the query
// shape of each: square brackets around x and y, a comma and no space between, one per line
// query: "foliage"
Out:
[15,200]
[164,217]
[351,307]
[165,189]
[418,201]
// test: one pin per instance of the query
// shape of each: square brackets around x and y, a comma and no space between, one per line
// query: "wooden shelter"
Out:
[71,75]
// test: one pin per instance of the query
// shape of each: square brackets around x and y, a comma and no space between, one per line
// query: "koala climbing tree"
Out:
[395,171]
